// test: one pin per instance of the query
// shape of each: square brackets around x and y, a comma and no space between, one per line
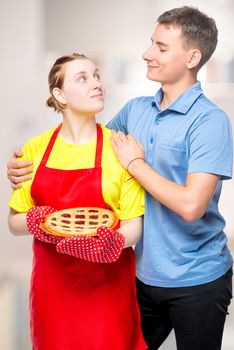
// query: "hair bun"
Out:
[50,103]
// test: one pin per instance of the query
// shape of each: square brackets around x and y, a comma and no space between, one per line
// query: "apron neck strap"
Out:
[98,155]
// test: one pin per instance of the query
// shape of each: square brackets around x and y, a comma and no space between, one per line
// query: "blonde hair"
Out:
[56,78]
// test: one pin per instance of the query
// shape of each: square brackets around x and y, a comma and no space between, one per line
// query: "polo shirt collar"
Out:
[183,103]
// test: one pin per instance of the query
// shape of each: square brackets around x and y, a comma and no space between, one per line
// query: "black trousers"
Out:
[197,314]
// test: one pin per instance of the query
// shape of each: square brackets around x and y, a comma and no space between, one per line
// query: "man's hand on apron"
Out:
[34,217]
[105,248]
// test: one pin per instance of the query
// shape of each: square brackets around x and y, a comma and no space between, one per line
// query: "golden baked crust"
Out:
[78,221]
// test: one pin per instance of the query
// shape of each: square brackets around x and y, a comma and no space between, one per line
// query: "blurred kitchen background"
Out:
[115,34]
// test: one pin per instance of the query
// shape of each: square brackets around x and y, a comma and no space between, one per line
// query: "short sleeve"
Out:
[131,200]
[21,199]
[211,148]
[120,120]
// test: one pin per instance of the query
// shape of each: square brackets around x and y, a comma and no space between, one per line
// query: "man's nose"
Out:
[147,55]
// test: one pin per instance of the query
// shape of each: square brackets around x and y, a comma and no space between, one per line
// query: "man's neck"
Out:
[172,91]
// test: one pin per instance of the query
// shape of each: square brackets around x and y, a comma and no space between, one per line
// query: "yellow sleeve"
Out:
[121,191]
[131,201]
[21,199]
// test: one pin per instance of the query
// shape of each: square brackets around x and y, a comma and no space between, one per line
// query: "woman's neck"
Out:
[78,130]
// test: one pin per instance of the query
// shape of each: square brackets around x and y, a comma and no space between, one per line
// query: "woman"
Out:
[82,288]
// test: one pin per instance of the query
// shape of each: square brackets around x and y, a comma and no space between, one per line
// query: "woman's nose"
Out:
[97,84]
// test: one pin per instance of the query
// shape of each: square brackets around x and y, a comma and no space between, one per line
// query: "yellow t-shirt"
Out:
[120,191]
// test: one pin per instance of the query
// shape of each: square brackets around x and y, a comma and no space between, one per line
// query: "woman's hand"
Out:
[18,171]
[105,248]
[34,217]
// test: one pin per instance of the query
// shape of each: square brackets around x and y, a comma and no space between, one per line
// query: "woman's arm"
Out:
[108,245]
[17,223]
[131,230]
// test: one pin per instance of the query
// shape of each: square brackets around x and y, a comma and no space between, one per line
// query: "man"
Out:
[184,268]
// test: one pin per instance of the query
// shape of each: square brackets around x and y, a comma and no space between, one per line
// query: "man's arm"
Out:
[190,200]
[18,171]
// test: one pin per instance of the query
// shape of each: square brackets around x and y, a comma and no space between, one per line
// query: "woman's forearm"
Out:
[131,230]
[17,223]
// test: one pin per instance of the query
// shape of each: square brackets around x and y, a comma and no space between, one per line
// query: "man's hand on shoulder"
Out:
[18,170]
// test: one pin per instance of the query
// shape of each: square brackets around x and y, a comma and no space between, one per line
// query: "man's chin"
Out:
[152,77]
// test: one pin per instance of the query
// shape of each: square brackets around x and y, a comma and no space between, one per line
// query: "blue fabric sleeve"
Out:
[211,149]
[120,120]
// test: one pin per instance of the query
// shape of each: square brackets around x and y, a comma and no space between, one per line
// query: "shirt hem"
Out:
[225,175]
[183,283]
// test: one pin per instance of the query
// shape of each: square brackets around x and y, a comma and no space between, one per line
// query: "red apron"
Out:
[75,304]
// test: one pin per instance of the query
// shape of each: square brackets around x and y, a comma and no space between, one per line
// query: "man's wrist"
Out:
[134,163]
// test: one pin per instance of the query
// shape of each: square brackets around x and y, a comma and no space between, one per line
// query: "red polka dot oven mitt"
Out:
[106,247]
[34,217]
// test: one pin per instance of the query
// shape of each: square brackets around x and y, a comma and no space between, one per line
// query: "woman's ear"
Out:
[194,58]
[58,95]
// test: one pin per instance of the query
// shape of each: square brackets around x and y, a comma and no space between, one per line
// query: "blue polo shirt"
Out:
[191,135]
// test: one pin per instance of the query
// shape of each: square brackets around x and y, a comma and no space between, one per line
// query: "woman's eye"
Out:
[97,77]
[81,78]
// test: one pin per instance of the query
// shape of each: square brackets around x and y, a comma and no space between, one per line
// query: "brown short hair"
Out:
[56,78]
[197,28]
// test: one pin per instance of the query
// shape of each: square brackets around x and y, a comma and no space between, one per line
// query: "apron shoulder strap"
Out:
[50,146]
[98,157]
